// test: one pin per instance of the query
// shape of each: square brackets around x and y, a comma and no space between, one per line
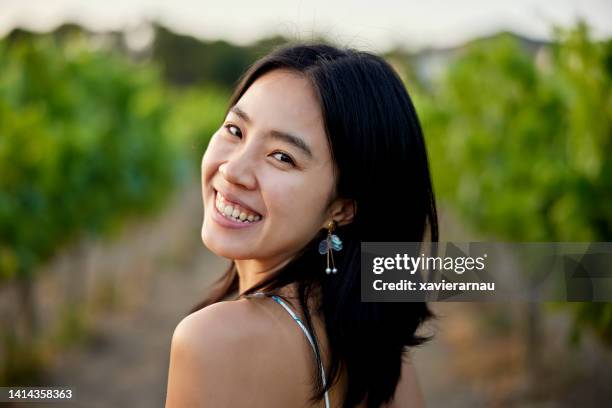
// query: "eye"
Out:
[283,157]
[234,130]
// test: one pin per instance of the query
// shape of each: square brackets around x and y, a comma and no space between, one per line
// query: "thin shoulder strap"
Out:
[308,336]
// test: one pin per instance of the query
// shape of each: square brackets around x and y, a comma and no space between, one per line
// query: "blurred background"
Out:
[106,109]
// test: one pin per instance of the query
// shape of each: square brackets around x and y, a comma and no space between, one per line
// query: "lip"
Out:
[234,200]
[226,222]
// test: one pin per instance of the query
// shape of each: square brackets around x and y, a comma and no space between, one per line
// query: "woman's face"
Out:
[267,175]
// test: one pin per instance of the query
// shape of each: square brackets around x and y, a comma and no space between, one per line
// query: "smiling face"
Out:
[267,174]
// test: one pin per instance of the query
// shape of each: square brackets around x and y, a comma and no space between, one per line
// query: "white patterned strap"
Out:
[308,336]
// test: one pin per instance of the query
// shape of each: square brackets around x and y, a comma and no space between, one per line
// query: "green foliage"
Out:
[197,113]
[595,315]
[81,146]
[22,362]
[187,60]
[72,325]
[520,143]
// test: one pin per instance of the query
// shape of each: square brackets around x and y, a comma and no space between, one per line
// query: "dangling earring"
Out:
[328,245]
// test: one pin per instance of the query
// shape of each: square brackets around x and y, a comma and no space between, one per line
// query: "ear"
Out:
[343,211]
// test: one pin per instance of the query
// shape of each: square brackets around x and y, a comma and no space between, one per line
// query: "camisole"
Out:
[302,326]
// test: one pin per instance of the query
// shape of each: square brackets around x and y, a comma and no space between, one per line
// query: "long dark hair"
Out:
[379,152]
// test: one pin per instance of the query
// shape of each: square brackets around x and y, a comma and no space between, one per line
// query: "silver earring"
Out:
[328,245]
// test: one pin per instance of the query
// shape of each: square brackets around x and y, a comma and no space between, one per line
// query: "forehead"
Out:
[285,101]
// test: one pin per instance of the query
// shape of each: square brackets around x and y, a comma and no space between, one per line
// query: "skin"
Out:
[250,352]
[293,198]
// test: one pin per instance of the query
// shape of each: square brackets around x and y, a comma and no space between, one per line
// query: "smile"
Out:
[234,211]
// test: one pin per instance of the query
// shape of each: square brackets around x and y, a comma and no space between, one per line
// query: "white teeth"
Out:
[234,212]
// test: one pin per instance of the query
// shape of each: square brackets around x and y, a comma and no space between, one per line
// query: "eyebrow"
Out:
[276,134]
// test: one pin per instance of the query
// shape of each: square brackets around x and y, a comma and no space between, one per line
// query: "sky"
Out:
[373,24]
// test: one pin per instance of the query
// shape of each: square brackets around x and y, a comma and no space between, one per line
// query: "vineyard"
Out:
[97,146]
[521,144]
[89,141]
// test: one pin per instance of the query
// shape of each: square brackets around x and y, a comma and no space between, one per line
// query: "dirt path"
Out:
[126,363]
[442,386]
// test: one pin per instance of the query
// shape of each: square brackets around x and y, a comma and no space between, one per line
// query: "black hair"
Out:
[381,163]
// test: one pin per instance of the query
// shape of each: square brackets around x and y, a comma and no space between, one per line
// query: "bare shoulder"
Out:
[220,325]
[224,355]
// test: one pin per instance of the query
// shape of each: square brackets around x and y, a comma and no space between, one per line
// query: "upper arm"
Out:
[217,359]
[211,358]
[191,363]
[408,392]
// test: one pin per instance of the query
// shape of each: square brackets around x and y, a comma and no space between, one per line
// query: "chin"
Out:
[222,248]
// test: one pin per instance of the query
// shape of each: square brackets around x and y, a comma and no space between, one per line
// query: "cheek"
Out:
[211,158]
[296,202]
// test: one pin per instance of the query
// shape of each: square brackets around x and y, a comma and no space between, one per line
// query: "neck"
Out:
[253,271]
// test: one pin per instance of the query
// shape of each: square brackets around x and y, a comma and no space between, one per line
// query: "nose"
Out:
[238,170]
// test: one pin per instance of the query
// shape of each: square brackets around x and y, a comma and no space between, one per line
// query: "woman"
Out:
[320,150]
